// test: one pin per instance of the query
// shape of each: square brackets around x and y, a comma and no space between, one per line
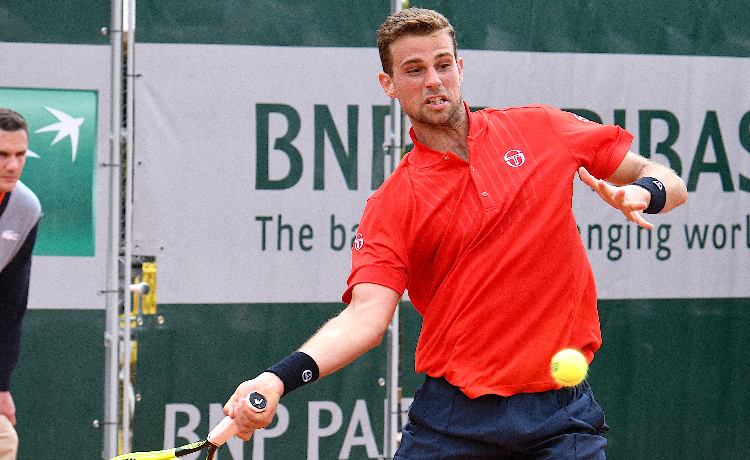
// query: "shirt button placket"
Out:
[473,171]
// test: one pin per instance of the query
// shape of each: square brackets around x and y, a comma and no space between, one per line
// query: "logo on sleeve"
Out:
[359,241]
[514,158]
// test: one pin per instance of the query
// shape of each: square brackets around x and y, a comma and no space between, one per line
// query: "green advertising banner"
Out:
[58,385]
[671,369]
[61,164]
[192,357]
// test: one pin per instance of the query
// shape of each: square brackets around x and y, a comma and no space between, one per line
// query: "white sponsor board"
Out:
[253,165]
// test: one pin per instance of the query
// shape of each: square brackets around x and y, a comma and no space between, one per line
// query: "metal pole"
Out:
[129,27]
[393,361]
[393,399]
[111,336]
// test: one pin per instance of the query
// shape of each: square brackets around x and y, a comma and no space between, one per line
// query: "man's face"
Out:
[13,146]
[426,79]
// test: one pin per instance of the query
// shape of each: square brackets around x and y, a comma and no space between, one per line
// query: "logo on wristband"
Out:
[307,375]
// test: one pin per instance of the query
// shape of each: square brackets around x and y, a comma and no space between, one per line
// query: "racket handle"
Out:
[223,431]
[227,428]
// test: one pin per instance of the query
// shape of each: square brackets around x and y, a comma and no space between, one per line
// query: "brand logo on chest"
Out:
[10,235]
[514,158]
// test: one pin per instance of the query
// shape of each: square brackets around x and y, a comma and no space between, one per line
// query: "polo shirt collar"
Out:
[422,155]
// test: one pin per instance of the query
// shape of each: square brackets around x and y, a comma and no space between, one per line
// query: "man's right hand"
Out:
[7,408]
[247,419]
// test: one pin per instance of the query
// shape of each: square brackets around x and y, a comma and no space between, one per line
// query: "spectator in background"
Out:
[20,212]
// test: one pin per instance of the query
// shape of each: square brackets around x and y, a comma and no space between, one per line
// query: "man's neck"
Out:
[445,138]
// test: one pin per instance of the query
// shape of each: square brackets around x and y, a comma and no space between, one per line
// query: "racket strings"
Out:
[153,455]
[167,453]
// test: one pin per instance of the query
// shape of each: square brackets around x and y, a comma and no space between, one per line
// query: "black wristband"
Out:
[657,191]
[295,370]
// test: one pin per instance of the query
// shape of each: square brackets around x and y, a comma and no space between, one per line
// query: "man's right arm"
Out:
[357,329]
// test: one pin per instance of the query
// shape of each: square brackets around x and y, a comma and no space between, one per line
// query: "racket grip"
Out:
[227,428]
[223,431]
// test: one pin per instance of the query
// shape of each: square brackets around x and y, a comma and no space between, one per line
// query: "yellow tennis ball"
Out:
[569,367]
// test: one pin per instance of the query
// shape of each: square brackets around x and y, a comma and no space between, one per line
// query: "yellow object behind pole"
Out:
[149,300]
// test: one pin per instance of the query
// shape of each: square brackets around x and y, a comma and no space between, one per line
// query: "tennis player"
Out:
[19,218]
[476,223]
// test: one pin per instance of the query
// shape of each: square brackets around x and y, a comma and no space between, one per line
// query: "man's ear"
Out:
[386,82]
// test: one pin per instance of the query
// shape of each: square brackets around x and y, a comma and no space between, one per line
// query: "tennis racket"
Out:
[218,436]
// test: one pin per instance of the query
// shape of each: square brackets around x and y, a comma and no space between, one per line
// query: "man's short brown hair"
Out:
[411,21]
[12,121]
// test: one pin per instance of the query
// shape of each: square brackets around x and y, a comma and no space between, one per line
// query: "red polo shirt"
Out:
[489,250]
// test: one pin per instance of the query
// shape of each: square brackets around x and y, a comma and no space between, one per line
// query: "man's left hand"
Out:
[631,200]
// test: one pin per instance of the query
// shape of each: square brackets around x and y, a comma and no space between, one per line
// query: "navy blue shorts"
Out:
[446,424]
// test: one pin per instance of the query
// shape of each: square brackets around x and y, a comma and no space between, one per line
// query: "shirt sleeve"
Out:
[379,254]
[599,148]
[14,293]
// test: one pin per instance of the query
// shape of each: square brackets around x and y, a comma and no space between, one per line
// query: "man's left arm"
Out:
[632,200]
